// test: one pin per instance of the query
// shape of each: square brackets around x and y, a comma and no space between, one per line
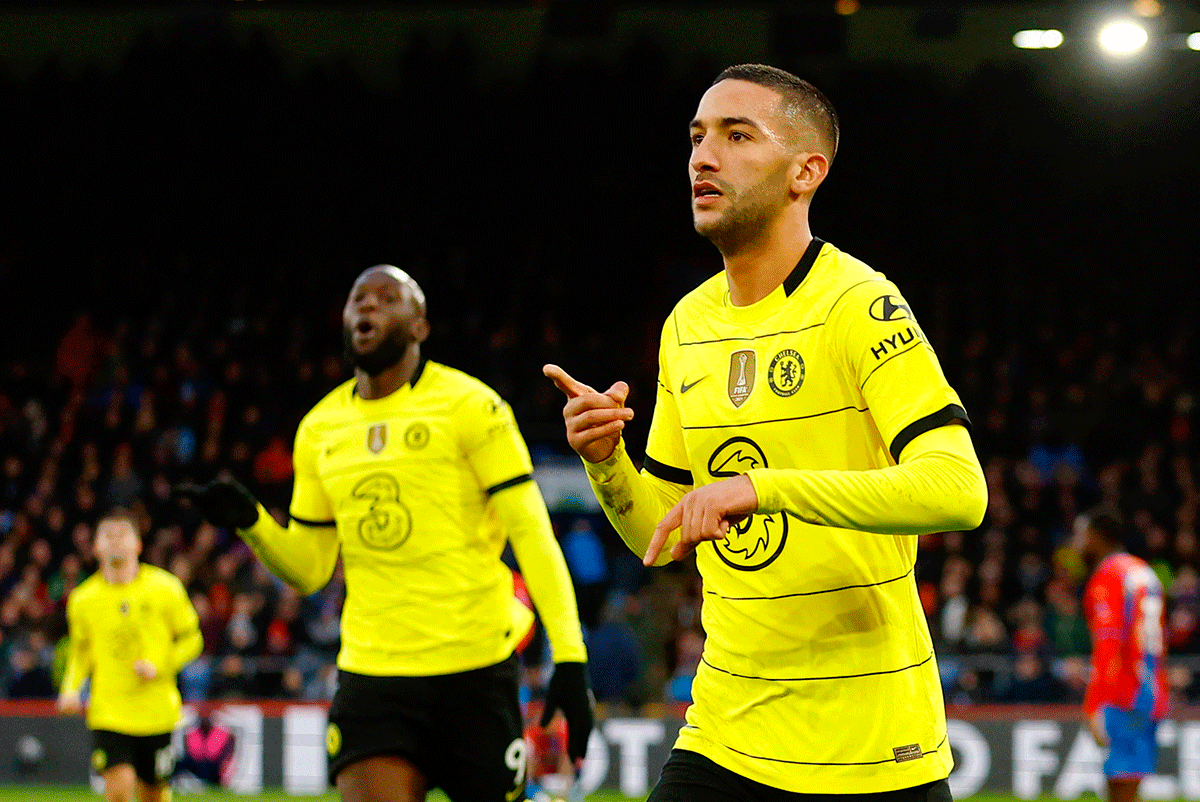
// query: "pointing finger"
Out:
[565,382]
[669,523]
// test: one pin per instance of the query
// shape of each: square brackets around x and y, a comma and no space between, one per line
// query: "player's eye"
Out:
[738,136]
[697,139]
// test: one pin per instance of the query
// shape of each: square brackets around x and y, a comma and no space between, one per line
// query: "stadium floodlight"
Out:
[1193,41]
[1123,38]
[1037,39]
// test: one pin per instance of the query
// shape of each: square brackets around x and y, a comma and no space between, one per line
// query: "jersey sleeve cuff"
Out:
[768,504]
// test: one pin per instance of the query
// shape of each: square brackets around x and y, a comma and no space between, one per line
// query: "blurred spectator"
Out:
[614,659]
[124,488]
[951,623]
[1183,620]
[689,647]
[1031,683]
[1072,674]
[1065,626]
[965,690]
[28,677]
[584,553]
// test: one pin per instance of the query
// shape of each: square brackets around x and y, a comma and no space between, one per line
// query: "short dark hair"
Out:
[800,96]
[1108,524]
[120,514]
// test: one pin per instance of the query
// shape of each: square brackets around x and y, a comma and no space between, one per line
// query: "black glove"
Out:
[223,502]
[569,692]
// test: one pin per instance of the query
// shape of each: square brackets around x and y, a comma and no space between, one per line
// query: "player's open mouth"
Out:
[705,193]
[364,330]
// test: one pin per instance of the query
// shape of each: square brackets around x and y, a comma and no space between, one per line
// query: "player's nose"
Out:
[367,302]
[704,157]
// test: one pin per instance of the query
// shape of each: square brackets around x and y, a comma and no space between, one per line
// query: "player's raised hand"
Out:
[223,502]
[594,419]
[705,513]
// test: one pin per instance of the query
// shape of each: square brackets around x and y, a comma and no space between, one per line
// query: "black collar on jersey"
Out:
[417,371]
[412,382]
[800,271]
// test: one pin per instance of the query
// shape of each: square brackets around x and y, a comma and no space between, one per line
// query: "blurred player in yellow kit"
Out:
[418,474]
[132,628]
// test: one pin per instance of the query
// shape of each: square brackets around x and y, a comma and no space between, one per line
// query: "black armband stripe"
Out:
[307,522]
[665,472]
[513,482]
[927,424]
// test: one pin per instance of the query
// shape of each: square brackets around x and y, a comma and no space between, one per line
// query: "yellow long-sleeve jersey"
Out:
[818,673]
[113,625]
[420,490]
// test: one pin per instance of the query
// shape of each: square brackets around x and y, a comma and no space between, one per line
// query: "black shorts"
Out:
[463,731]
[691,777]
[152,756]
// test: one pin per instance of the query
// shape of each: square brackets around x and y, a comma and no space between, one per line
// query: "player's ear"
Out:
[809,169]
[420,329]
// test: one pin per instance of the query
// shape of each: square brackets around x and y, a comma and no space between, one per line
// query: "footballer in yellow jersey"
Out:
[131,628]
[803,436]
[417,474]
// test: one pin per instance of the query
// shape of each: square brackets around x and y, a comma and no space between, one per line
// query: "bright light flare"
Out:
[1037,39]
[1123,38]
[1193,41]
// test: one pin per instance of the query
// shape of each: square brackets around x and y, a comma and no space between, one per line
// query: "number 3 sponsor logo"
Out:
[386,523]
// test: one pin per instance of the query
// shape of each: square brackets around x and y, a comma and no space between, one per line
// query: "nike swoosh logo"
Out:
[684,387]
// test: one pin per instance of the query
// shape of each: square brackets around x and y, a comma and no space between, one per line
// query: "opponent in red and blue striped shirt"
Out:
[1127,694]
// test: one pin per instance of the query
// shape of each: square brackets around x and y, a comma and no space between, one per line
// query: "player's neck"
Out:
[391,379]
[119,572]
[761,265]
[1100,558]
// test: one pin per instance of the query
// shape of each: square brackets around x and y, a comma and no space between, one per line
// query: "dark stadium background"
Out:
[189,189]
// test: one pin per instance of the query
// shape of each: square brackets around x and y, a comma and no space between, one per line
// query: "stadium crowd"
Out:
[187,252]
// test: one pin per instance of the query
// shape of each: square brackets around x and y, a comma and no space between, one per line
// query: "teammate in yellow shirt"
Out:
[803,436]
[418,473]
[131,628]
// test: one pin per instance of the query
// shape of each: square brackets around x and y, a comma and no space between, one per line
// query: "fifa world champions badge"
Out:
[742,365]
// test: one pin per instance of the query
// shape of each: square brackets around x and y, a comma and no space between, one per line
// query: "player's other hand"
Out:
[594,419]
[223,502]
[1095,723]
[705,513]
[145,669]
[69,704]
[570,692]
